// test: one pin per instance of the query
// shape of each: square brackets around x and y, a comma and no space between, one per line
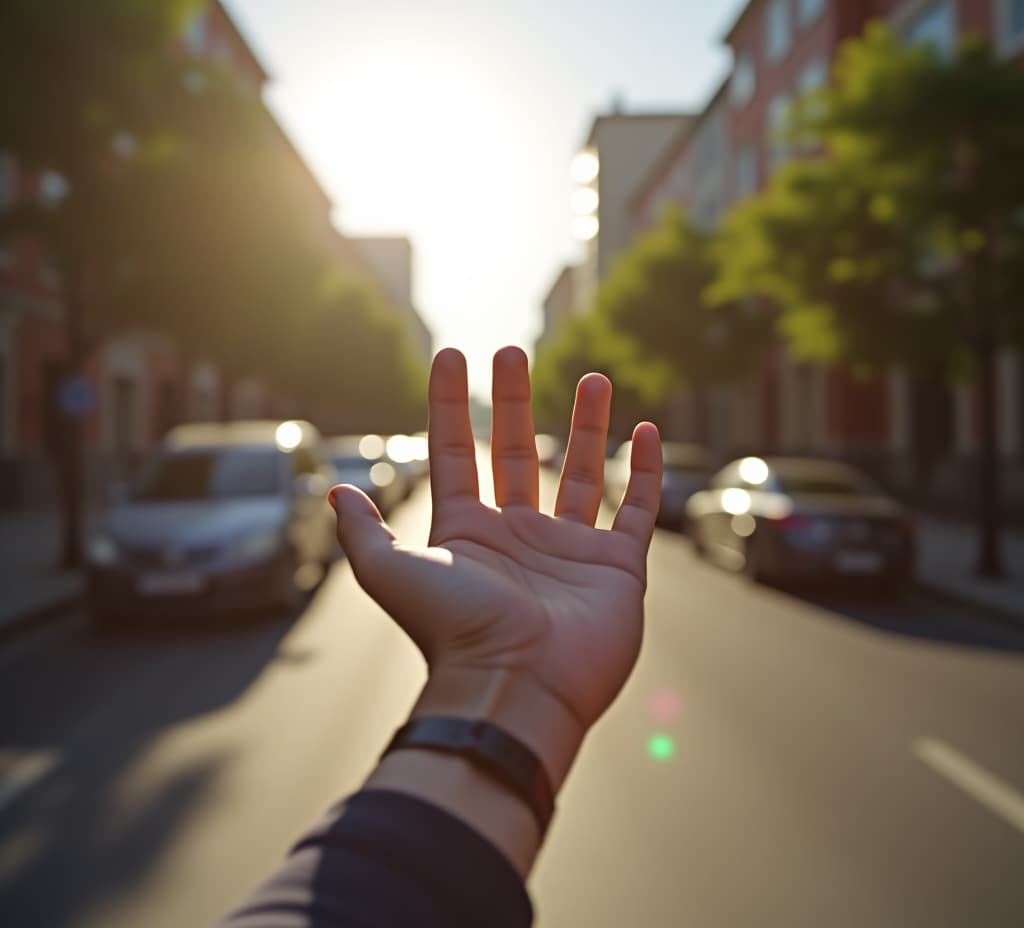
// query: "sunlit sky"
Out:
[453,122]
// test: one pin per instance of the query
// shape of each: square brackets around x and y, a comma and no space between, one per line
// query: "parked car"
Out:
[361,460]
[802,519]
[686,470]
[223,516]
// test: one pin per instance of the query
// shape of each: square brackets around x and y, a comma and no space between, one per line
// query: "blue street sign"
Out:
[76,397]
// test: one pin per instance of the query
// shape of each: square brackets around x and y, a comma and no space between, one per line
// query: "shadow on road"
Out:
[912,615]
[93,828]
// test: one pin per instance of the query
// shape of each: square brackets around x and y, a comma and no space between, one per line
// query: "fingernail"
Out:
[330,499]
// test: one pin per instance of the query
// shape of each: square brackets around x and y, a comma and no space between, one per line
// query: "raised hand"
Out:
[532,620]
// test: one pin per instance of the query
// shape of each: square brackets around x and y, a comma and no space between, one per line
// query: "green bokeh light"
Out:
[661,747]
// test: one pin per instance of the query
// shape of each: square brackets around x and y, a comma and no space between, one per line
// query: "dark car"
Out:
[224,516]
[686,470]
[802,519]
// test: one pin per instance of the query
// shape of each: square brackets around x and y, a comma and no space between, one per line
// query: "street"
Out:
[773,761]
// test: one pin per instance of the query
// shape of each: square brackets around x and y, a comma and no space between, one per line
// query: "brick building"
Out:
[781,49]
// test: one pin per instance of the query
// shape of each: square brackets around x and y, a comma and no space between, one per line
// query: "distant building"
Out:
[390,261]
[619,152]
[559,304]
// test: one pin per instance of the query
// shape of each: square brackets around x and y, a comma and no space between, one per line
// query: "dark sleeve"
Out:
[384,859]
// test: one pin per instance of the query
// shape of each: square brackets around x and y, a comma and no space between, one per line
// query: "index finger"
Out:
[449,433]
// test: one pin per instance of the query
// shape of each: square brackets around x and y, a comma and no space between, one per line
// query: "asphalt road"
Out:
[774,761]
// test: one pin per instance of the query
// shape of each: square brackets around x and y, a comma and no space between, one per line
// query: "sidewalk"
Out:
[30,583]
[945,565]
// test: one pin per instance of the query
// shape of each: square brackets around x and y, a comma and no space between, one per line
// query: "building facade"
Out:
[390,261]
[902,431]
[559,304]
[622,148]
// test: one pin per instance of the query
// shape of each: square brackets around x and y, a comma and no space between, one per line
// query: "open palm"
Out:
[550,600]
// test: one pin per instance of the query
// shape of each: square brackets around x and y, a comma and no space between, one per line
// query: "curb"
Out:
[1005,617]
[17,625]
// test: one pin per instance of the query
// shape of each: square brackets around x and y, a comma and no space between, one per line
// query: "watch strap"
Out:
[490,749]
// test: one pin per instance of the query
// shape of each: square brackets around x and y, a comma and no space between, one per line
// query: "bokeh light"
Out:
[371,447]
[288,435]
[754,471]
[584,201]
[401,449]
[735,501]
[584,228]
[661,747]
[585,166]
[743,524]
[382,474]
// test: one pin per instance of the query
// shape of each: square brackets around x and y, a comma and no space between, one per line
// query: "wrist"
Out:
[515,702]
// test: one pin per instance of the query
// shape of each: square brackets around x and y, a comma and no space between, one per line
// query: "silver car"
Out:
[224,516]
[802,519]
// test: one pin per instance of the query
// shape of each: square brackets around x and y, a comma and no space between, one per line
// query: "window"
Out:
[778,114]
[777,31]
[746,170]
[220,473]
[806,10]
[1011,25]
[195,34]
[744,80]
[813,76]
[933,26]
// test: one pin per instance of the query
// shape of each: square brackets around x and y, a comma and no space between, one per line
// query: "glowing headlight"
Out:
[257,545]
[102,551]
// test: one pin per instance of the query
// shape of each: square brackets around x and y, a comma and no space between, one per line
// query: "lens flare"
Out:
[665,705]
[661,747]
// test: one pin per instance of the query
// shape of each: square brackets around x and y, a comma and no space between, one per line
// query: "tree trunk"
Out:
[990,560]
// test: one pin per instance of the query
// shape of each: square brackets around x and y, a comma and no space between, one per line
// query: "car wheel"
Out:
[291,597]
[897,585]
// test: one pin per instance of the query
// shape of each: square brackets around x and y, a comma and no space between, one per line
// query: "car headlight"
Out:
[255,545]
[102,551]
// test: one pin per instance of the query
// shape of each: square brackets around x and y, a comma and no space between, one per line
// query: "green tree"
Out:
[902,242]
[183,208]
[353,363]
[586,343]
[82,83]
[655,294]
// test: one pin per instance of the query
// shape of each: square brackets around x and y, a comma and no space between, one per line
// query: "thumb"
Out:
[364,536]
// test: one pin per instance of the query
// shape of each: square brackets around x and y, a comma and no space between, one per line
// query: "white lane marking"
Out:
[995,794]
[25,774]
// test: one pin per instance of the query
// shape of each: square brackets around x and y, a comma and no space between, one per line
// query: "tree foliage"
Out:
[870,249]
[901,241]
[587,343]
[655,294]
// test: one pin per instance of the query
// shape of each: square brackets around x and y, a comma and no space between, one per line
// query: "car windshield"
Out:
[211,474]
[830,484]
